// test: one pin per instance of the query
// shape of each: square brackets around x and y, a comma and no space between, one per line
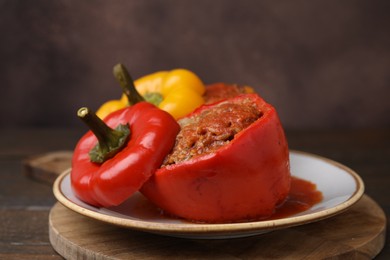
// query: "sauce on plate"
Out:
[303,195]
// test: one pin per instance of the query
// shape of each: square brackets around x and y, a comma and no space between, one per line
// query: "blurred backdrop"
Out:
[322,64]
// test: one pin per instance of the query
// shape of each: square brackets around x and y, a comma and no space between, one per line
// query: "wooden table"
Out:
[25,203]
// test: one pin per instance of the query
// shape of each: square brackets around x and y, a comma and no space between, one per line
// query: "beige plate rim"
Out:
[200,230]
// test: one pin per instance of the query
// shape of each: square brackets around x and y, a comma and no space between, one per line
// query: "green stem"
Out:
[127,84]
[111,141]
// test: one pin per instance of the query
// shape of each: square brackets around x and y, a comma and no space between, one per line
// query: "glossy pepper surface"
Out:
[242,180]
[152,134]
[178,92]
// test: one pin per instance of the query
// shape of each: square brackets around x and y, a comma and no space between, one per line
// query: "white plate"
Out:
[341,187]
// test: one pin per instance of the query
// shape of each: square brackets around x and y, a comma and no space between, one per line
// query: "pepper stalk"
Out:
[127,84]
[110,141]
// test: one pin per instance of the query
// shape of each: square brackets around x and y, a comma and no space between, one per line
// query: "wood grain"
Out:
[358,233]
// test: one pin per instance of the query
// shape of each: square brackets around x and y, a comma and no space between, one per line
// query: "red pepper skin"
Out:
[153,134]
[244,180]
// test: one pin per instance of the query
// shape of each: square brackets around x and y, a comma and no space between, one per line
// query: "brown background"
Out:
[323,64]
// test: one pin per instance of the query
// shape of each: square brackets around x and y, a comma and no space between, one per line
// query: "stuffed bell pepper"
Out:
[230,163]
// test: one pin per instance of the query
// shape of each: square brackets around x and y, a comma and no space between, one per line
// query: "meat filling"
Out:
[211,129]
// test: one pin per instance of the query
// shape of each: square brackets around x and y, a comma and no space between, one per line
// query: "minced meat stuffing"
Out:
[211,129]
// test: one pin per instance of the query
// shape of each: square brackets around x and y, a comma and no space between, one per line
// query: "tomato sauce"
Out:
[303,195]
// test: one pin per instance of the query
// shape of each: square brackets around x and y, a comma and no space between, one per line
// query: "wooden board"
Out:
[47,167]
[358,233]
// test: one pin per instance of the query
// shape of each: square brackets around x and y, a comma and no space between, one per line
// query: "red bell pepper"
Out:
[244,179]
[153,133]
[108,164]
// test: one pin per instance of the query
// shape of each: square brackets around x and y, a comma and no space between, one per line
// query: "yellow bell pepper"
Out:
[178,92]
[109,107]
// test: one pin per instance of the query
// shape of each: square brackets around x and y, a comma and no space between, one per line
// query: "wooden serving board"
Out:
[358,233]
[47,167]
